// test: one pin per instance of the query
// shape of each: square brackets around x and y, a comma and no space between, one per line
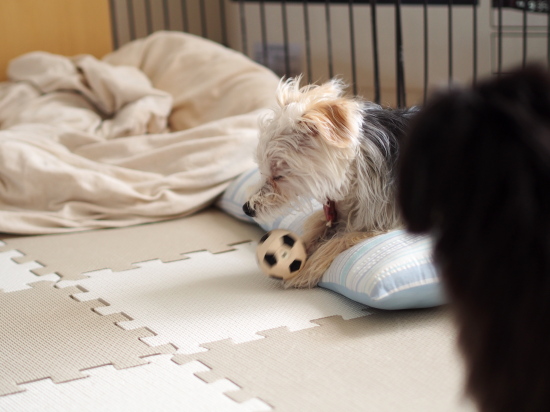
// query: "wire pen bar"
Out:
[499,38]
[204,27]
[242,14]
[474,44]
[223,23]
[329,39]
[114,25]
[425,33]
[376,63]
[148,16]
[185,15]
[399,57]
[368,43]
[524,38]
[263,26]
[352,47]
[307,40]
[166,15]
[285,36]
[450,38]
[131,19]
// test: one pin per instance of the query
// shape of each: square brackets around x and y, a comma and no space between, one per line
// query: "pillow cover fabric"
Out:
[390,271]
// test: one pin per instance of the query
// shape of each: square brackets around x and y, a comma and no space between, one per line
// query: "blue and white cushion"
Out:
[390,271]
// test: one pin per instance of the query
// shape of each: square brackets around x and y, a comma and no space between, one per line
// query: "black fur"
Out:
[385,127]
[475,173]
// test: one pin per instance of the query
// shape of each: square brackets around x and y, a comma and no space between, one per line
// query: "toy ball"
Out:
[281,254]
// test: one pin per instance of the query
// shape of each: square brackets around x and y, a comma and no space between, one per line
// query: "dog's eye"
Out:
[277,178]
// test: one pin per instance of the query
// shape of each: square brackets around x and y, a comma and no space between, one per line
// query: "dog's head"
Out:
[305,147]
[475,156]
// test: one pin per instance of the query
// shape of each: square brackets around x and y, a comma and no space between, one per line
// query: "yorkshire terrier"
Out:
[322,145]
[475,174]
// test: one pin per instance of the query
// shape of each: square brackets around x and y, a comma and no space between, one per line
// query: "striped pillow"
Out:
[390,271]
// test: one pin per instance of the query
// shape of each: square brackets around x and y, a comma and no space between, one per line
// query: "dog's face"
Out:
[305,147]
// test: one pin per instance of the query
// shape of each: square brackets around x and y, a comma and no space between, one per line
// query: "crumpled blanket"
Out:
[155,130]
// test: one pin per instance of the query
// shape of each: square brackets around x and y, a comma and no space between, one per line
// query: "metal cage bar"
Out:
[426,48]
[329,39]
[352,47]
[524,38]
[185,15]
[450,38]
[166,15]
[242,14]
[263,30]
[284,16]
[399,57]
[204,24]
[256,38]
[131,20]
[375,60]
[114,24]
[499,38]
[307,40]
[223,23]
[148,16]
[475,42]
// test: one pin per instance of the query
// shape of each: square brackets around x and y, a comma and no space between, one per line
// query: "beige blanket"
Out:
[155,130]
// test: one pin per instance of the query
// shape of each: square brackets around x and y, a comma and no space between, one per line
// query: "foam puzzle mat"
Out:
[176,316]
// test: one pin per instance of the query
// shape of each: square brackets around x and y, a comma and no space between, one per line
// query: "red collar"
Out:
[330,212]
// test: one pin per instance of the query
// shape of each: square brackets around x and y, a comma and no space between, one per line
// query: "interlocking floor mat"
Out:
[176,316]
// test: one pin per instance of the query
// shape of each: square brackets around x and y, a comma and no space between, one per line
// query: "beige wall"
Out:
[66,27]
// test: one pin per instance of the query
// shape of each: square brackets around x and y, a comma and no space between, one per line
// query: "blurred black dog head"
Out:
[475,173]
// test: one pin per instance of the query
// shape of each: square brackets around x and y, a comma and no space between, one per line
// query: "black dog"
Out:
[475,174]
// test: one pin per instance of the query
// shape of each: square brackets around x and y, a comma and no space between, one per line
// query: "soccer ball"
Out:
[281,254]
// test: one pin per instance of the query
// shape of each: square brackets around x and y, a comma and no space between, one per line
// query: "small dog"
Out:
[339,150]
[475,173]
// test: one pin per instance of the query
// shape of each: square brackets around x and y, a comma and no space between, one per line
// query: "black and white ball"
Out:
[281,254]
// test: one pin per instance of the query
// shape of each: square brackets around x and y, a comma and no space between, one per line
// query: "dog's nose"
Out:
[248,211]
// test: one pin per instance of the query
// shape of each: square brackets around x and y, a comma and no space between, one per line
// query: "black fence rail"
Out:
[387,50]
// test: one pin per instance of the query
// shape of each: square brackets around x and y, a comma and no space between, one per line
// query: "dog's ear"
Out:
[338,121]
[322,110]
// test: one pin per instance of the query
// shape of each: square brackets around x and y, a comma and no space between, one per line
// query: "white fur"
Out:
[314,147]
